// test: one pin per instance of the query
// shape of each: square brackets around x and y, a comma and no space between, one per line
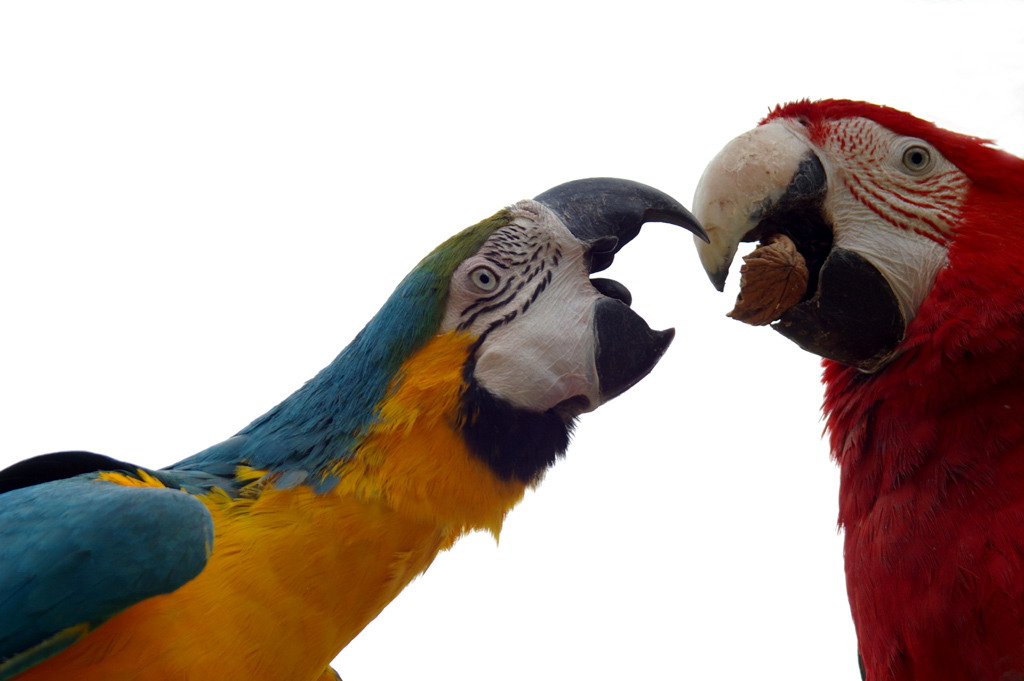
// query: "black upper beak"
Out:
[607,213]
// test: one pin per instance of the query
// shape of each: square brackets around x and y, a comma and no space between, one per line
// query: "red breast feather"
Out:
[931,449]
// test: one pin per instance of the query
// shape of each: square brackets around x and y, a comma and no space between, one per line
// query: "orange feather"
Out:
[295,575]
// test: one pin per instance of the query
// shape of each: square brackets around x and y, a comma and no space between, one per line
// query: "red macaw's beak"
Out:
[770,181]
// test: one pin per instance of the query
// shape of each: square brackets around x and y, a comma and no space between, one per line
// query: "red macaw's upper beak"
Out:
[770,181]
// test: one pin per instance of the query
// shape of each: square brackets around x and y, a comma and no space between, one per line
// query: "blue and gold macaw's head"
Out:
[550,341]
[538,342]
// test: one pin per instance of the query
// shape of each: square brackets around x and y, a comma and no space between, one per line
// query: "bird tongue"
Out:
[613,289]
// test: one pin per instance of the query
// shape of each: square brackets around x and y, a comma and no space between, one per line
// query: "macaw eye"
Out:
[917,159]
[484,278]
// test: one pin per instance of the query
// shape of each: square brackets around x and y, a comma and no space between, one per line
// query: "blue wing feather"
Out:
[77,551]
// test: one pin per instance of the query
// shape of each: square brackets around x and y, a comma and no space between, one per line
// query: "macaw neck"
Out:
[412,454]
[931,451]
[941,419]
[323,421]
[415,457]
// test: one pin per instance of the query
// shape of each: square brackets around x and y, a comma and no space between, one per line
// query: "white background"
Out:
[202,202]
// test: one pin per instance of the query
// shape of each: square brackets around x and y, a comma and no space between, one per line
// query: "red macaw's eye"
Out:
[917,159]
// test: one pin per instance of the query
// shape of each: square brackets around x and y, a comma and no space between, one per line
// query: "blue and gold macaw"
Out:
[263,556]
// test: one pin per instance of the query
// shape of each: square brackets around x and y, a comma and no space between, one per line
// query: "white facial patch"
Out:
[895,201]
[527,293]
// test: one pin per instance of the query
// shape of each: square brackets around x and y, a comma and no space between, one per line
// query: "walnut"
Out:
[773,278]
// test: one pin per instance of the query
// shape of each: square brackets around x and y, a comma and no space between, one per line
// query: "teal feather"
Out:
[323,421]
[76,552]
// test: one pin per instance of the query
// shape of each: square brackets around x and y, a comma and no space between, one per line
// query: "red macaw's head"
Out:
[861,211]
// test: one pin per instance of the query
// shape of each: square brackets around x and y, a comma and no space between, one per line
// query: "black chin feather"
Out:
[514,443]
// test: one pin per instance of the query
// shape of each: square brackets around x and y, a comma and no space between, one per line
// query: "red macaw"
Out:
[912,239]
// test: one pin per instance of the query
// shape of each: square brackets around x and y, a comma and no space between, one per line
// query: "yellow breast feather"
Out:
[303,572]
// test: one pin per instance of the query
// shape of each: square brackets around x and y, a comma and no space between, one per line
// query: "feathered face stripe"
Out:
[523,257]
